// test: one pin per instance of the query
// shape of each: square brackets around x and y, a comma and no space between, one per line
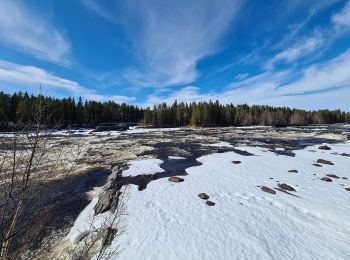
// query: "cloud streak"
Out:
[23,29]
[171,37]
[320,39]
[342,18]
[323,85]
[30,76]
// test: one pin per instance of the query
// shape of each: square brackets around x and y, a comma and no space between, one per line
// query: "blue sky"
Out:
[283,53]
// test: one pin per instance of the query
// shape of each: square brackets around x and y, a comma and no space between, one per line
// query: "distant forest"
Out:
[77,113]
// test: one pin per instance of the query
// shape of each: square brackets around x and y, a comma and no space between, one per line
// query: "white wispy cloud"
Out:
[171,37]
[18,75]
[319,39]
[23,29]
[301,49]
[242,76]
[327,75]
[343,17]
[323,85]
[100,10]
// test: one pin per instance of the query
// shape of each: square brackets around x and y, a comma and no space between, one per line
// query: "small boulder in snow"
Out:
[236,162]
[317,165]
[326,179]
[268,190]
[175,179]
[210,203]
[293,171]
[348,189]
[324,162]
[345,154]
[203,196]
[285,186]
[324,147]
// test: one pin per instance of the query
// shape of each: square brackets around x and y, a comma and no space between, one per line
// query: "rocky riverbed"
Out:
[147,157]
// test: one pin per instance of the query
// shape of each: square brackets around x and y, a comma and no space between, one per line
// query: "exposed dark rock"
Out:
[108,236]
[268,190]
[111,127]
[115,201]
[116,172]
[348,189]
[326,179]
[345,154]
[209,203]
[324,147]
[325,162]
[175,179]
[284,191]
[317,165]
[236,162]
[285,186]
[286,152]
[293,171]
[104,202]
[344,178]
[203,196]
[333,176]
[241,152]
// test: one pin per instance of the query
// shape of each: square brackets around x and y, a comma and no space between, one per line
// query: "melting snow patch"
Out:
[136,130]
[176,157]
[221,144]
[146,166]
[279,149]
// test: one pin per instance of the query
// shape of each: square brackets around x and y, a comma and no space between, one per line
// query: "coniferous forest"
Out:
[77,113]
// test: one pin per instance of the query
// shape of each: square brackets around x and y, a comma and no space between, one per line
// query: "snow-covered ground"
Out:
[169,221]
[146,166]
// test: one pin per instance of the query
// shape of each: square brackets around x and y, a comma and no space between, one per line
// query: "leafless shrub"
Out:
[28,160]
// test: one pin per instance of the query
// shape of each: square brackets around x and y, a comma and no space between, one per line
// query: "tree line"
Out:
[65,112]
[211,114]
[68,112]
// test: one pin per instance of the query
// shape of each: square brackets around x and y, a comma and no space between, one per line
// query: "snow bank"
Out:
[87,222]
[170,221]
[147,166]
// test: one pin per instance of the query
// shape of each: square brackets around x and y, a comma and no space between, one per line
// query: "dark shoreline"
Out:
[68,198]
